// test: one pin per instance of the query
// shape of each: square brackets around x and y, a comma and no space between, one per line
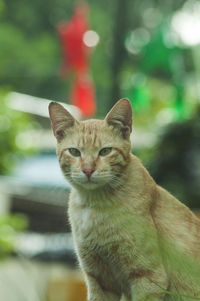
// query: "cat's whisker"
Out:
[116,181]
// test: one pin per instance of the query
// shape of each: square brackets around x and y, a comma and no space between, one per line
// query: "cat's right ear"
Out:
[120,117]
[61,119]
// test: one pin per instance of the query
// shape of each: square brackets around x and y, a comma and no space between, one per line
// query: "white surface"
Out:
[35,105]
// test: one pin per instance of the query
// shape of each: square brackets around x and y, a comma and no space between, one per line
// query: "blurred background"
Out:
[88,55]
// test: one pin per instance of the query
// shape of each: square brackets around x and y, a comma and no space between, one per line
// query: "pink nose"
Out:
[88,172]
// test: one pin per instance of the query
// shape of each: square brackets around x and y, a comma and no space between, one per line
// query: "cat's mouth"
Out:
[92,182]
[89,184]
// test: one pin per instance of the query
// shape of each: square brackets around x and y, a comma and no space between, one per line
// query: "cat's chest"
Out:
[103,235]
[89,223]
[100,243]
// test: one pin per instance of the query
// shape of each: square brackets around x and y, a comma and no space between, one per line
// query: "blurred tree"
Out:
[145,30]
[30,55]
[120,28]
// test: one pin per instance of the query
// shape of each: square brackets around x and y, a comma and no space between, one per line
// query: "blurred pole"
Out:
[196,65]
[119,53]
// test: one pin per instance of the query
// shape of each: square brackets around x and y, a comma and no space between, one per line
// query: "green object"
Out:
[157,57]
[179,104]
[9,226]
[12,124]
[139,93]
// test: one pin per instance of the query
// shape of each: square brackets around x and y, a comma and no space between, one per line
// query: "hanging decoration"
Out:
[76,59]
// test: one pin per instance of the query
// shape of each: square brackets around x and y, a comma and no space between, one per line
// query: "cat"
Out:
[133,239]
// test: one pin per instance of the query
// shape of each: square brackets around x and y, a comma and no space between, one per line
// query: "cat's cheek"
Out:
[65,167]
[64,162]
[102,167]
[118,160]
[70,161]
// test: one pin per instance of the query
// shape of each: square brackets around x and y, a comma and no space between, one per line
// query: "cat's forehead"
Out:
[90,133]
[93,133]
[92,125]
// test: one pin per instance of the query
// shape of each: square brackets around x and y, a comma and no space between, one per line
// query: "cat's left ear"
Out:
[61,119]
[120,116]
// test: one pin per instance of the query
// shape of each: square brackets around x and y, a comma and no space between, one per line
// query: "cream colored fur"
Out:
[126,229]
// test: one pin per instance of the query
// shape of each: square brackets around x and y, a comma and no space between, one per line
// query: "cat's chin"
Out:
[89,185]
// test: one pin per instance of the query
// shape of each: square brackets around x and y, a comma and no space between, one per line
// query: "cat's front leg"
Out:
[144,289]
[96,293]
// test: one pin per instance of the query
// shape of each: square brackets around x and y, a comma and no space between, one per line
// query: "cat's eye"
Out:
[74,152]
[105,151]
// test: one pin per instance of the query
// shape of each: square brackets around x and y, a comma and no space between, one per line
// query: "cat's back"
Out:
[176,222]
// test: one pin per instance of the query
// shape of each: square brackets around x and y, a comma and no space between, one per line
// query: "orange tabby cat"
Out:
[132,237]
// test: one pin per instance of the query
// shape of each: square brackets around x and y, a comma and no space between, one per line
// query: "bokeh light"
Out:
[91,38]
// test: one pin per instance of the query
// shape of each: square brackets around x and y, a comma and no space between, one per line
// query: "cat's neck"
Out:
[132,183]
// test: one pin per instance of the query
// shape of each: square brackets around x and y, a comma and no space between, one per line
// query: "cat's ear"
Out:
[61,119]
[120,116]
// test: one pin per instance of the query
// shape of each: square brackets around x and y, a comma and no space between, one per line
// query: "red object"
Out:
[83,96]
[76,59]
[75,52]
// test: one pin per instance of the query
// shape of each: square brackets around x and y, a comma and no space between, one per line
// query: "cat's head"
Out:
[93,153]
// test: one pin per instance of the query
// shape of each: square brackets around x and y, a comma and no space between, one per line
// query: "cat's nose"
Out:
[88,172]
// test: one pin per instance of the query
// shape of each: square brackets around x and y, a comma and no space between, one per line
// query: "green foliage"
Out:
[30,56]
[12,124]
[9,226]
[26,65]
